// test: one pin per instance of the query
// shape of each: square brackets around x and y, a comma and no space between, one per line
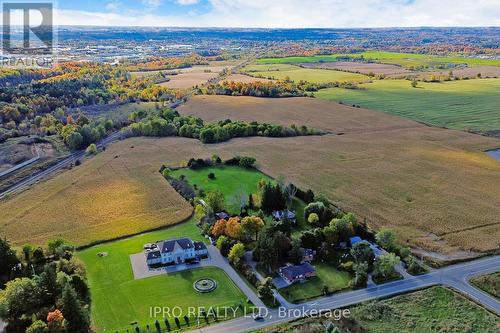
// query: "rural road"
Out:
[68,160]
[455,277]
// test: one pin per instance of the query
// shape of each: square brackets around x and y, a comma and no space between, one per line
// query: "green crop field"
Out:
[118,299]
[228,179]
[432,310]
[295,73]
[464,105]
[489,283]
[327,275]
[404,59]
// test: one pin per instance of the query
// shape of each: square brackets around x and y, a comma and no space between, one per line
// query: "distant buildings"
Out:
[174,251]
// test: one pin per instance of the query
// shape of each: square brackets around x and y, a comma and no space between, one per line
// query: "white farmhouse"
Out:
[174,251]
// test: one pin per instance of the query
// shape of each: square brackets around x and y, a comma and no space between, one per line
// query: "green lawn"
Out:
[326,275]
[295,73]
[298,207]
[118,299]
[403,59]
[489,283]
[228,179]
[463,105]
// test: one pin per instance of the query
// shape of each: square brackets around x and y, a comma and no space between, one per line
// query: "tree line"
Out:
[169,122]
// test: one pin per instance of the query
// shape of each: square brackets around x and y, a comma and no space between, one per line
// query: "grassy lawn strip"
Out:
[118,299]
[228,179]
[489,283]
[326,275]
[462,105]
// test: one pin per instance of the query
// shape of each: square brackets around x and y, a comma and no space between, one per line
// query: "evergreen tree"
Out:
[47,282]
[8,258]
[77,319]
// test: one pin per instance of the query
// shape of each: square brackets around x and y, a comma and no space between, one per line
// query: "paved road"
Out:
[217,260]
[454,277]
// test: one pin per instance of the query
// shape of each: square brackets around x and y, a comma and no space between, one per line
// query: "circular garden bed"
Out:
[205,285]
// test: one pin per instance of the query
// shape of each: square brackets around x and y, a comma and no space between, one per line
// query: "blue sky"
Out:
[279,13]
[159,7]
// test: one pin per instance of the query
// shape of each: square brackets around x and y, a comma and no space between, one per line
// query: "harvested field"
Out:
[112,195]
[214,67]
[467,72]
[296,73]
[205,69]
[245,78]
[359,67]
[413,178]
[189,79]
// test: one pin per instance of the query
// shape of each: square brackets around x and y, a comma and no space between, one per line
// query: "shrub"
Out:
[313,218]
[92,149]
[348,266]
[211,175]
[317,208]
[247,162]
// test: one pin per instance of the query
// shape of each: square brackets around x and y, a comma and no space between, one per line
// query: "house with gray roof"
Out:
[174,251]
[297,273]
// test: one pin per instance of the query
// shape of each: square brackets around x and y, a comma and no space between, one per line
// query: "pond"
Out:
[495,153]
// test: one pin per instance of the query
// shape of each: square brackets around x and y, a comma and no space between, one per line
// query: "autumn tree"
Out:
[233,228]
[55,321]
[251,226]
[219,228]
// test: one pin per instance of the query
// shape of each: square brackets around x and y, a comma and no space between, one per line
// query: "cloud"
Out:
[113,5]
[297,14]
[187,2]
[152,4]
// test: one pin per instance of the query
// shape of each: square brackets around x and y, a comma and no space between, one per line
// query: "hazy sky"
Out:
[280,13]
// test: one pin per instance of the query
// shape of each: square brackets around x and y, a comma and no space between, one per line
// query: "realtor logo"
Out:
[28,34]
